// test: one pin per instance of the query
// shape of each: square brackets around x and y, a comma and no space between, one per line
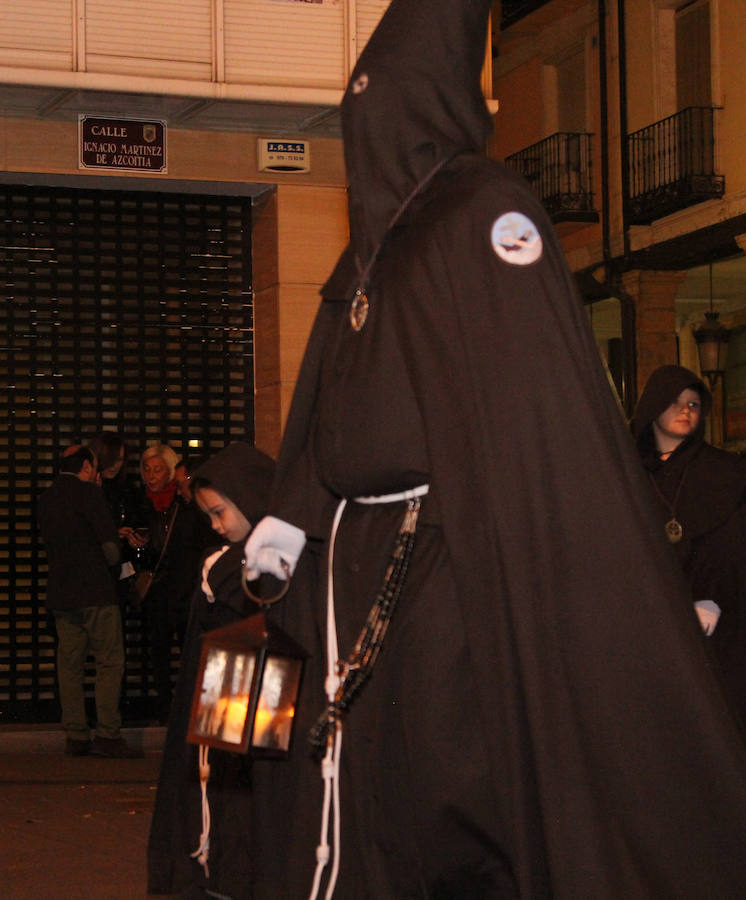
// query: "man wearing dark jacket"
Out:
[82,548]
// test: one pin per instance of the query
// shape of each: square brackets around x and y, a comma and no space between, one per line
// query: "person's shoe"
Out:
[74,747]
[114,748]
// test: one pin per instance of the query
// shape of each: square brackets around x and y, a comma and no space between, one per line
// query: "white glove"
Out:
[272,543]
[709,613]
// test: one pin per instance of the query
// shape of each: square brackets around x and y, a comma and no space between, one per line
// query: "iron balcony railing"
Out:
[559,169]
[672,165]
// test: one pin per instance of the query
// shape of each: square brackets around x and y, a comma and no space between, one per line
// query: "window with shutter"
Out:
[125,311]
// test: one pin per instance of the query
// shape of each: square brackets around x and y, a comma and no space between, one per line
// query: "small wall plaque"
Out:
[283,155]
[130,144]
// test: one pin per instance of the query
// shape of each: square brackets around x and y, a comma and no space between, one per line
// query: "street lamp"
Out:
[712,344]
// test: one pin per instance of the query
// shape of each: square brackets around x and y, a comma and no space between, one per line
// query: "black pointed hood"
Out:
[414,101]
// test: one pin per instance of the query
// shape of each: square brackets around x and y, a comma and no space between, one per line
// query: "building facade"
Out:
[627,117]
[173,191]
[173,196]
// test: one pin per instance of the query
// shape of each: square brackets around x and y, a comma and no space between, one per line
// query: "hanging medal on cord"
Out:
[359,304]
[359,309]
[674,530]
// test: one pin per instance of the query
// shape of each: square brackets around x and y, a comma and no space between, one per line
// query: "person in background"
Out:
[120,496]
[232,489]
[166,605]
[700,494]
[83,553]
[185,469]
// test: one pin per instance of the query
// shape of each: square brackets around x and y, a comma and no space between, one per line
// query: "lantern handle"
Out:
[268,601]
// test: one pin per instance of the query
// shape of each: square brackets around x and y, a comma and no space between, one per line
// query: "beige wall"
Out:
[299,231]
[295,248]
[33,145]
[642,64]
[730,92]
[518,122]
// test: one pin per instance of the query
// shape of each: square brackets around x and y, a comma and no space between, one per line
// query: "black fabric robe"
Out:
[243,474]
[542,720]
[706,489]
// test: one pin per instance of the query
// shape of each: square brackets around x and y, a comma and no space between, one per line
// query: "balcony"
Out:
[672,165]
[559,170]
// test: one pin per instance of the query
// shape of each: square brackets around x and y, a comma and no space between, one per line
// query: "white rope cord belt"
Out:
[202,852]
[331,724]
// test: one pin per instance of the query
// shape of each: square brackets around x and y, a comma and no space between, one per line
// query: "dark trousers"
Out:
[161,628]
[94,630]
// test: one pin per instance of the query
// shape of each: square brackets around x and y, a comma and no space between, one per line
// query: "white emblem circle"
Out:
[360,84]
[516,239]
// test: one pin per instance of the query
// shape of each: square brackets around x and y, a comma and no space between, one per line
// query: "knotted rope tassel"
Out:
[203,851]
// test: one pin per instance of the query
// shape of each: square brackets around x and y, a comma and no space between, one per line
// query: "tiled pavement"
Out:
[74,828]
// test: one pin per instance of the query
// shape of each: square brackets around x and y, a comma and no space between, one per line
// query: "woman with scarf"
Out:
[700,494]
[232,489]
[177,526]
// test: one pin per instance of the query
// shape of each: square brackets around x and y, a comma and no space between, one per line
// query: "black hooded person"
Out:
[540,720]
[231,488]
[700,492]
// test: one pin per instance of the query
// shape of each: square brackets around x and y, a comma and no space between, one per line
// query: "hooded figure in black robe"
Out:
[541,720]
[242,474]
[704,489]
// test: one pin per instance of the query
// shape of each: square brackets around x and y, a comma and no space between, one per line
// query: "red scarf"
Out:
[161,500]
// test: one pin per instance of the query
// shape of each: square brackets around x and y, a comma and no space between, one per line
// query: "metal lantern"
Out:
[712,344]
[247,688]
[712,347]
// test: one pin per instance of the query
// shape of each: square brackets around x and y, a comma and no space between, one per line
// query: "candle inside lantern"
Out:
[273,721]
[232,712]
[224,697]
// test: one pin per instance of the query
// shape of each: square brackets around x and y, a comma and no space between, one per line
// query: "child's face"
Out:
[680,418]
[225,517]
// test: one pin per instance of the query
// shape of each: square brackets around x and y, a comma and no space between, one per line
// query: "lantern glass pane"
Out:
[709,356]
[224,695]
[276,707]
[723,356]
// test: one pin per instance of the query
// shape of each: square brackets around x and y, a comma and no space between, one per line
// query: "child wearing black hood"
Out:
[232,489]
[700,492]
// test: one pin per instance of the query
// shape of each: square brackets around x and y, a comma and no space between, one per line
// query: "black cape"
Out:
[244,475]
[542,720]
[706,489]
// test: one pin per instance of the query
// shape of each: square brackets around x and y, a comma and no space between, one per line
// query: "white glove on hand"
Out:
[272,543]
[709,613]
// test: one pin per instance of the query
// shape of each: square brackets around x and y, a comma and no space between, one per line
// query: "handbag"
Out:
[140,586]
[143,581]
